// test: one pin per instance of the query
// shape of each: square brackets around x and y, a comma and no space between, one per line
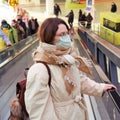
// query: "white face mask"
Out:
[64,41]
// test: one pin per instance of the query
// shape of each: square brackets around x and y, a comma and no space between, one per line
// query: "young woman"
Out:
[62,100]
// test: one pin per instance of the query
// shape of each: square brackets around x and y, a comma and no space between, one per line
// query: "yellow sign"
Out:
[13,3]
[110,27]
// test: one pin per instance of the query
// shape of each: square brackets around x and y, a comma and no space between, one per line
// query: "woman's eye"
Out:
[63,34]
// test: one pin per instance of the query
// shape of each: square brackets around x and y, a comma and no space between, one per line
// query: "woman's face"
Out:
[13,24]
[62,30]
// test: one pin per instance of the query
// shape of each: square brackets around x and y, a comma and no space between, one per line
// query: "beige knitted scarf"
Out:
[64,58]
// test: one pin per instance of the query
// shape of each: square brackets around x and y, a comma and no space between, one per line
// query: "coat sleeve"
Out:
[91,87]
[37,95]
[4,37]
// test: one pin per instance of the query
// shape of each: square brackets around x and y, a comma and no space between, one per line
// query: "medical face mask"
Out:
[64,41]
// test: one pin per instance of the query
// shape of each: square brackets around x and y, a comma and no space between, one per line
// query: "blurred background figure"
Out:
[113,7]
[79,15]
[36,24]
[25,19]
[70,18]
[83,19]
[4,41]
[57,10]
[19,31]
[89,19]
[9,31]
[33,25]
[22,23]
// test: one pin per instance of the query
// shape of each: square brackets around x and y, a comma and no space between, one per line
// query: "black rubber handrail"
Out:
[115,98]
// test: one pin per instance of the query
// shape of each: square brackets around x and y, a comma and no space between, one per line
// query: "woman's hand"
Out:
[109,87]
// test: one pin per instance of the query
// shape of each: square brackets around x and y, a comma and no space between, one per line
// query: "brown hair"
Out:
[47,30]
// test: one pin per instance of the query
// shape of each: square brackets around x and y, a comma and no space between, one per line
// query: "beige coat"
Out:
[55,103]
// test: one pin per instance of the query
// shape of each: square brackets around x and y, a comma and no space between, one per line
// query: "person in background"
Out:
[89,19]
[36,24]
[5,27]
[22,23]
[33,25]
[9,31]
[25,19]
[83,19]
[113,7]
[21,11]
[4,41]
[19,31]
[57,10]
[62,99]
[70,18]
[79,15]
